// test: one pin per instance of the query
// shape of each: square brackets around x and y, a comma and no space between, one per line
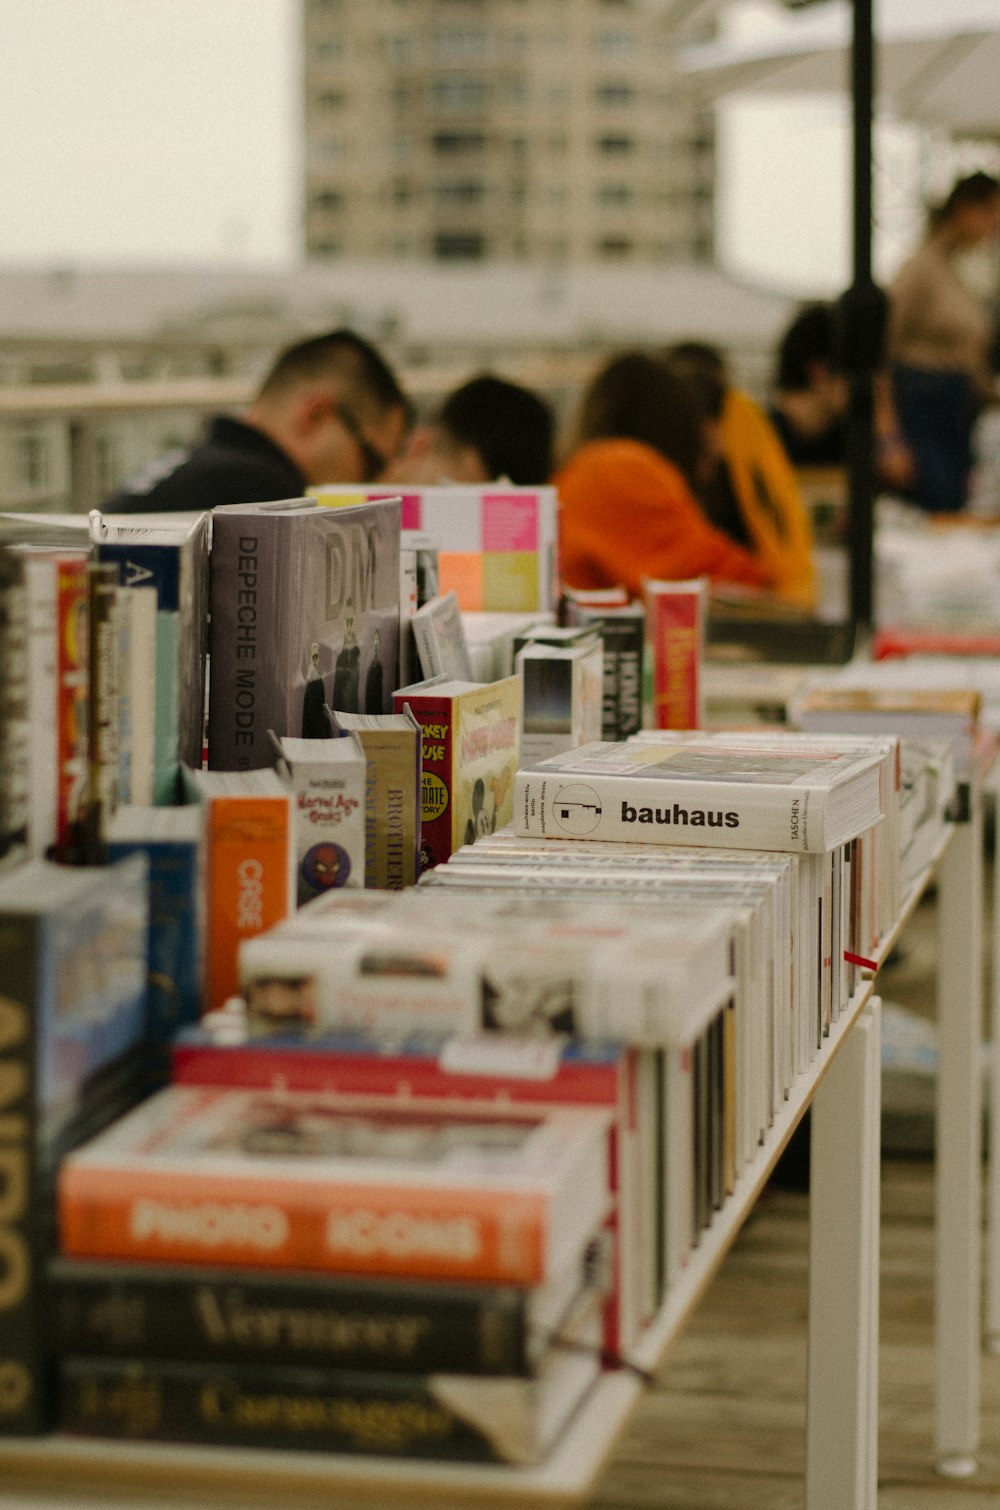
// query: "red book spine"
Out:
[436,717]
[72,692]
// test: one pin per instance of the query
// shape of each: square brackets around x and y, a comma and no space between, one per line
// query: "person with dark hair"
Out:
[627,490]
[940,340]
[812,394]
[329,410]
[489,428]
[749,489]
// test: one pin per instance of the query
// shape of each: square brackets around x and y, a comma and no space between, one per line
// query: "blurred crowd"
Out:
[668,468]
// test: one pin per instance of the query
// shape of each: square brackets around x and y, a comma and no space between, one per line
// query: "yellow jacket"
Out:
[768,495]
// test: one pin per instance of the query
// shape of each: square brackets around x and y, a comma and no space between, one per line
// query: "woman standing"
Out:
[939,341]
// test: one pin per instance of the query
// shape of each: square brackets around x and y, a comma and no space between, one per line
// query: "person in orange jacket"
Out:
[628,509]
[749,488]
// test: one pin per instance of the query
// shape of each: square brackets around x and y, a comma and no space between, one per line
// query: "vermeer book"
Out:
[300,1320]
[286,1180]
[699,791]
[305,612]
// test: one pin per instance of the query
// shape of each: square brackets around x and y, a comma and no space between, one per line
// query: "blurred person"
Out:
[486,429]
[940,342]
[329,410]
[812,395]
[748,486]
[627,489]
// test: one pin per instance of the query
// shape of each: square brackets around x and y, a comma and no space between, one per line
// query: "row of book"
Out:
[304,1143]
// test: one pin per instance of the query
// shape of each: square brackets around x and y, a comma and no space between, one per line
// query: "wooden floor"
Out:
[723,1428]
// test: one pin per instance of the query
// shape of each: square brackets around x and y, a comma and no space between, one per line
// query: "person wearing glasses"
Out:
[329,410]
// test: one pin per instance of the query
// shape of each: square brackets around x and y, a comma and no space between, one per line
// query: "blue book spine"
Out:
[174,939]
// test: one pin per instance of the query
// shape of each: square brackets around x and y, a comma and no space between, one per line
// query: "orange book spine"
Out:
[248,882]
[216,1218]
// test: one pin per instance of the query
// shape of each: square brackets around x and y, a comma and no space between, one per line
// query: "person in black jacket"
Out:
[329,410]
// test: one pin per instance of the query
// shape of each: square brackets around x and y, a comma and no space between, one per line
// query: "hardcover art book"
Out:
[777,795]
[496,542]
[305,613]
[471,747]
[72,1005]
[436,1416]
[298,1180]
[301,1320]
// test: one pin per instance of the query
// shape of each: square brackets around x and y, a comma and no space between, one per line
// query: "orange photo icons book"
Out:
[301,1180]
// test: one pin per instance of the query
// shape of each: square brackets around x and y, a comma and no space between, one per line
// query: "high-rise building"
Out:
[543,130]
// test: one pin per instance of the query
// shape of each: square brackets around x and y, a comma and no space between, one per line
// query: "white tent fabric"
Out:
[937,61]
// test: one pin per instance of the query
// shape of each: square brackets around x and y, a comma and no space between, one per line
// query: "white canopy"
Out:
[937,61]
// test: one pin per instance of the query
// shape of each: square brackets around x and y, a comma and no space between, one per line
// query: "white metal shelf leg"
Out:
[842,1412]
[958,1173]
[992,1320]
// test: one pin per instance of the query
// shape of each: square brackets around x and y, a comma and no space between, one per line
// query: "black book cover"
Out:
[287,1319]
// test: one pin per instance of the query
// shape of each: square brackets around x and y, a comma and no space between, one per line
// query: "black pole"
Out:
[863,325]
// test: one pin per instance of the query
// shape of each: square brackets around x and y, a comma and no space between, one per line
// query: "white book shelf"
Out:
[843,1087]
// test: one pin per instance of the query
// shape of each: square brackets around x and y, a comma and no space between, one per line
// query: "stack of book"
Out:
[353,1274]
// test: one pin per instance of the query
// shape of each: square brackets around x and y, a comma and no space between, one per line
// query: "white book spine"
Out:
[725,815]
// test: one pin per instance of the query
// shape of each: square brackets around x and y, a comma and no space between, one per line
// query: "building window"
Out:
[460,44]
[328,199]
[31,460]
[614,146]
[327,248]
[460,191]
[615,44]
[400,50]
[459,94]
[329,50]
[331,99]
[614,92]
[451,246]
[401,192]
[614,246]
[614,194]
[454,143]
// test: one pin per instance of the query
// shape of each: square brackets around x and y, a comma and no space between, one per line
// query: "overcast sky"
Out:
[148,130]
[168,131]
